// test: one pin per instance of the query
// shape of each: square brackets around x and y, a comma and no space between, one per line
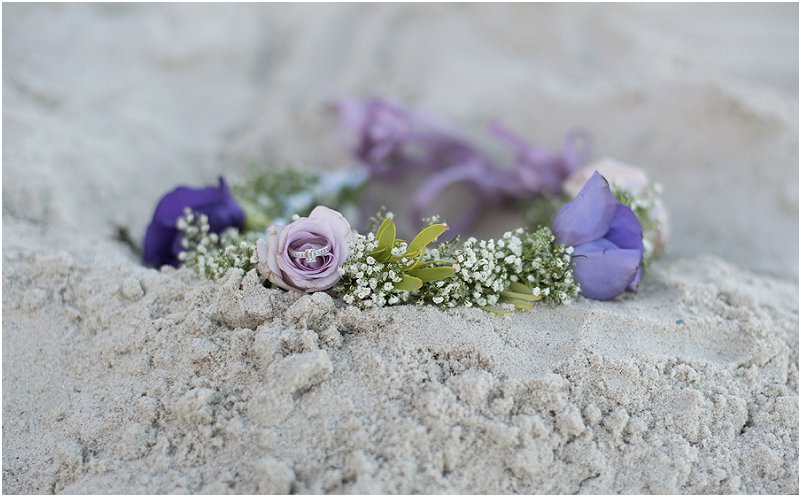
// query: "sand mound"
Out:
[164,382]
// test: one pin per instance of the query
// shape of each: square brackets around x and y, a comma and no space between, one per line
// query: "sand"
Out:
[119,378]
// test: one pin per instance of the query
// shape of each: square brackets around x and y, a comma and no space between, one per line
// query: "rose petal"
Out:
[603,270]
[263,266]
[270,269]
[319,284]
[336,220]
[343,232]
[312,228]
[588,216]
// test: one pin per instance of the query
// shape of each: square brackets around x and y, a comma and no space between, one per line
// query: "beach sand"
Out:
[123,379]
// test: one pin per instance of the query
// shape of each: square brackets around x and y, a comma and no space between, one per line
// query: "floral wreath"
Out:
[597,244]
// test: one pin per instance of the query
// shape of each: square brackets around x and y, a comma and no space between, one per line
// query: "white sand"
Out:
[118,378]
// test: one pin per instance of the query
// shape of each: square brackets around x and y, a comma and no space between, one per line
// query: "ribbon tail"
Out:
[470,172]
[508,136]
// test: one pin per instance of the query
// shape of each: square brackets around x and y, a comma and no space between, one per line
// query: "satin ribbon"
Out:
[392,141]
[536,171]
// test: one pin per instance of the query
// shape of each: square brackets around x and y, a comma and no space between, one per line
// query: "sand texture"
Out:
[123,379]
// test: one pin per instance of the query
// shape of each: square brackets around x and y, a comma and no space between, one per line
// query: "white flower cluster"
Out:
[484,271]
[486,268]
[481,275]
[547,268]
[366,282]
[209,253]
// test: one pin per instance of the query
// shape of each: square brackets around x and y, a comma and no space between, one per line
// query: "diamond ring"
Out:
[312,254]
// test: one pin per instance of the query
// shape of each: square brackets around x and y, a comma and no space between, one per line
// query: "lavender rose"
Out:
[289,257]
[163,240]
[606,238]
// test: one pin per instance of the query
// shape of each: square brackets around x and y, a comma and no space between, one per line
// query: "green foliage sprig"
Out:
[269,195]
[384,270]
[512,272]
[262,193]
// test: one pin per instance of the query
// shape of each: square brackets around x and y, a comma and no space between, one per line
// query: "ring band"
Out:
[312,254]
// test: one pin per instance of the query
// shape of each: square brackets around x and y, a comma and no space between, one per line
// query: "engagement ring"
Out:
[312,254]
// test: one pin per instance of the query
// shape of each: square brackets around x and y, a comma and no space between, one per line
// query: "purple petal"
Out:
[162,238]
[588,216]
[625,230]
[225,212]
[635,283]
[159,248]
[603,270]
[172,204]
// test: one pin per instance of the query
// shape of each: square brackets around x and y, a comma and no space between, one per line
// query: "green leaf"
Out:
[409,283]
[255,218]
[525,297]
[517,287]
[382,255]
[418,262]
[429,274]
[518,303]
[495,310]
[385,236]
[425,237]
[435,262]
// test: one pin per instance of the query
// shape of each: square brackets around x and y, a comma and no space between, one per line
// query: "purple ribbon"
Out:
[392,141]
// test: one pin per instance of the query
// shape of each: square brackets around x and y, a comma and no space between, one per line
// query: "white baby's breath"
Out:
[485,269]
[209,253]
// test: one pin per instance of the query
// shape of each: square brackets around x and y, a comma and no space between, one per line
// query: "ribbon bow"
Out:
[392,141]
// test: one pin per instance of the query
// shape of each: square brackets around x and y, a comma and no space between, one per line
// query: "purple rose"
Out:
[305,255]
[606,238]
[163,240]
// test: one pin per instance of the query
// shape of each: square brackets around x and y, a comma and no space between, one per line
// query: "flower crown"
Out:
[597,244]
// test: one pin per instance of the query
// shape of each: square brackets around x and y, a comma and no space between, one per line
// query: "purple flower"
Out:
[163,240]
[636,181]
[288,260]
[606,238]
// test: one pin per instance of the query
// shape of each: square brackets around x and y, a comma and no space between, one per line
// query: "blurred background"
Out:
[107,107]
